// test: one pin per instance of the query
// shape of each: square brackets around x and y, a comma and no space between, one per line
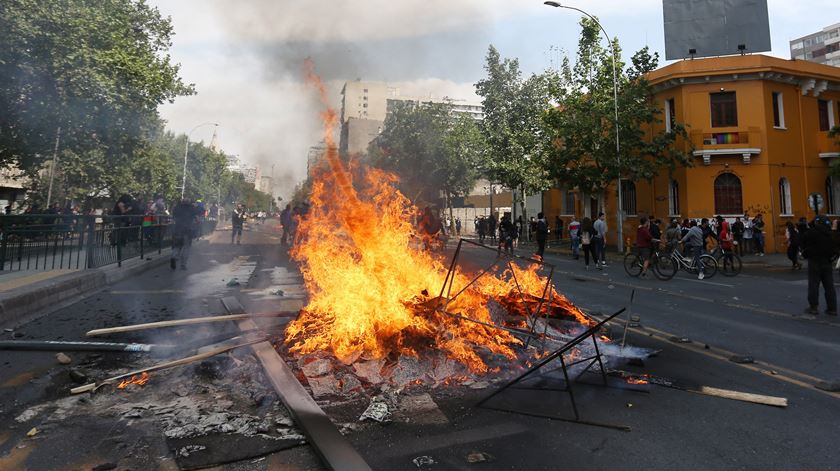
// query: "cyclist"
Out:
[644,244]
[693,241]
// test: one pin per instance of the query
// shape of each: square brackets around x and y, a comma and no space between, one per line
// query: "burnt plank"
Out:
[333,449]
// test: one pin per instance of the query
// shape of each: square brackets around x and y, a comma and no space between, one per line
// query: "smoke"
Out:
[246,59]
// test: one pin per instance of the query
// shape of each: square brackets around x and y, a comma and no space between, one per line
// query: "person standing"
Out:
[738,235]
[558,228]
[237,222]
[507,232]
[482,229]
[673,235]
[748,234]
[600,241]
[587,236]
[541,234]
[491,228]
[458,227]
[693,241]
[655,230]
[286,223]
[758,234]
[574,237]
[185,216]
[819,248]
[792,237]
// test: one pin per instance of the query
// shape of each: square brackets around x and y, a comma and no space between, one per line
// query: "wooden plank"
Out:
[190,321]
[335,451]
[742,396]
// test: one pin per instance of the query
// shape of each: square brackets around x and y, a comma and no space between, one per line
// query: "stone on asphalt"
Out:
[479,457]
[423,461]
[78,376]
[63,359]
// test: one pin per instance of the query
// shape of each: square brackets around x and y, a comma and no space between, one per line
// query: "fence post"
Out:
[3,246]
[160,235]
[90,221]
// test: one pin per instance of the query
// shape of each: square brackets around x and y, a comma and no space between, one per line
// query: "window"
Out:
[784,197]
[728,194]
[832,191]
[825,112]
[778,110]
[569,203]
[724,109]
[628,197]
[670,115]
[674,198]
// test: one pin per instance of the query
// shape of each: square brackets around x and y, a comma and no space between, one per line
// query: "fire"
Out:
[135,379]
[373,292]
[634,380]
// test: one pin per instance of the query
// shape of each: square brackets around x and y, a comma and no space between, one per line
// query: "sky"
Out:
[246,57]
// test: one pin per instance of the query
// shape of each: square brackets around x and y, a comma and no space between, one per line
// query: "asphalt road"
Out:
[754,314]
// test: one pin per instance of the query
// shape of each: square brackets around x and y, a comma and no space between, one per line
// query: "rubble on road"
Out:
[378,410]
[63,359]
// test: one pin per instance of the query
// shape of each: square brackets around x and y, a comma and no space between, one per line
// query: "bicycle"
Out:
[731,261]
[679,262]
[661,264]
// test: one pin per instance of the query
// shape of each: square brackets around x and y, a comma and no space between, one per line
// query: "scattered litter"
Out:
[233,282]
[741,359]
[421,461]
[736,298]
[707,347]
[378,410]
[34,431]
[479,457]
[610,287]
[629,405]
[680,339]
[63,359]
[278,292]
[774,372]
[8,330]
[635,318]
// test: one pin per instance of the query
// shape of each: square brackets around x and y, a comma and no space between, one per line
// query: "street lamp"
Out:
[186,150]
[620,231]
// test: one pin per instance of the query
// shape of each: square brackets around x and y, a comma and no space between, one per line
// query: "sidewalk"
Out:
[30,293]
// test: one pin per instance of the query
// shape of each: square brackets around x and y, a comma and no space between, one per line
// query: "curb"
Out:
[44,296]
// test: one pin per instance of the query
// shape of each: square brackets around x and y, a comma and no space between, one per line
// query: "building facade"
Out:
[822,47]
[758,130]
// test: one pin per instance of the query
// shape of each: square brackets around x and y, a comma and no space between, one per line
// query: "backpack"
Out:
[585,237]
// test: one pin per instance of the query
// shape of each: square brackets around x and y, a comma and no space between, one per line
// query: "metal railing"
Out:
[58,241]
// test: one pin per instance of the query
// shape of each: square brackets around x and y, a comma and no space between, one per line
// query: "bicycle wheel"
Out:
[664,267]
[729,264]
[710,266]
[633,264]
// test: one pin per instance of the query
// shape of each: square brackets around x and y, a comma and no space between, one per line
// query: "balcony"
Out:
[827,147]
[739,142]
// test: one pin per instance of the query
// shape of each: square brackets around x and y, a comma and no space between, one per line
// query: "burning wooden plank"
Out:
[190,321]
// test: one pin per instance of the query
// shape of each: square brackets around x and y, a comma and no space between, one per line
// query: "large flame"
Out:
[373,292]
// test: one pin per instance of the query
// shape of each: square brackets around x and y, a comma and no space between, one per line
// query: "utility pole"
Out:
[52,166]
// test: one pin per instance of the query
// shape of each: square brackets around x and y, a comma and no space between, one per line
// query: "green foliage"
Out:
[432,149]
[582,126]
[97,69]
[513,127]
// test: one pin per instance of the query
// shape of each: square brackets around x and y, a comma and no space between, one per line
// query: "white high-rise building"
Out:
[822,47]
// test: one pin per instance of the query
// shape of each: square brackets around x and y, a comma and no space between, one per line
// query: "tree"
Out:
[433,150]
[582,125]
[95,69]
[513,127]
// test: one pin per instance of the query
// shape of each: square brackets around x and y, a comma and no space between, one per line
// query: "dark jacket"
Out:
[819,244]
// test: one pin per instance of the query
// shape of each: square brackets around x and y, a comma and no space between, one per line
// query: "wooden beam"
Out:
[333,449]
[189,321]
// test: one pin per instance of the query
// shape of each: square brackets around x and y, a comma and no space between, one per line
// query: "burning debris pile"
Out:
[373,293]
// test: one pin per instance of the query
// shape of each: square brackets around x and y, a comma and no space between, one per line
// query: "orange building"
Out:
[758,129]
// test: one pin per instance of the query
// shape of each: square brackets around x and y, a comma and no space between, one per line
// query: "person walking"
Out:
[458,227]
[482,229]
[286,224]
[819,248]
[237,222]
[792,238]
[600,242]
[673,235]
[574,237]
[491,228]
[507,233]
[693,241]
[587,236]
[738,235]
[644,244]
[541,234]
[185,215]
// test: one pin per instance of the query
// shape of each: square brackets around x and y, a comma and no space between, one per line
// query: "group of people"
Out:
[589,237]
[290,218]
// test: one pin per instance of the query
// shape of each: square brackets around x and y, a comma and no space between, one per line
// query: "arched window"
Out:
[832,193]
[674,198]
[784,196]
[628,197]
[728,194]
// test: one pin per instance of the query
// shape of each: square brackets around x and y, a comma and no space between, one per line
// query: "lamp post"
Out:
[186,150]
[619,218]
